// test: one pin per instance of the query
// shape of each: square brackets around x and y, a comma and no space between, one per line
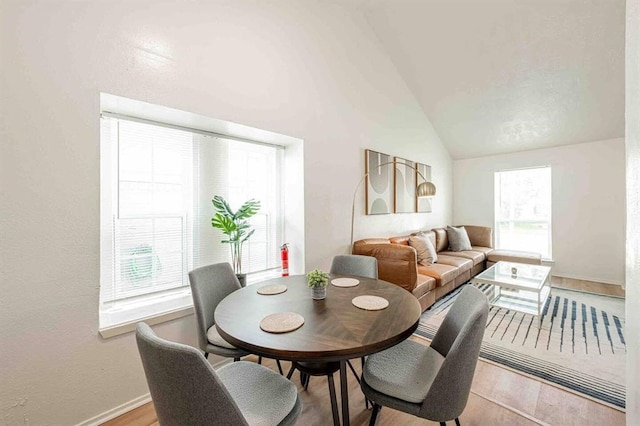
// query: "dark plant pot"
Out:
[243,279]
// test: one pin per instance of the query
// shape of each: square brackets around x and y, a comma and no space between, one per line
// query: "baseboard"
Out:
[132,405]
[117,411]
[591,279]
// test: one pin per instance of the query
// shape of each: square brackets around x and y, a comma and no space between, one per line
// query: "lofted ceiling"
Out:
[498,76]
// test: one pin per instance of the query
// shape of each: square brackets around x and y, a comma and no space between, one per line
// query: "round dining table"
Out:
[334,329]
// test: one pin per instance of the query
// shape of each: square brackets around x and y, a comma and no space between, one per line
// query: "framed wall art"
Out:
[379,185]
[423,204]
[405,186]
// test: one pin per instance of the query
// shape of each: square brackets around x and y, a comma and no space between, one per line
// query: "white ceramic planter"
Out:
[319,293]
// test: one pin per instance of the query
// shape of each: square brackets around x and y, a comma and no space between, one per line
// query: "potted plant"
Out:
[317,281]
[236,227]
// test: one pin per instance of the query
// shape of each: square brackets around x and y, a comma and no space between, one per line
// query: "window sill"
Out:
[121,318]
[258,277]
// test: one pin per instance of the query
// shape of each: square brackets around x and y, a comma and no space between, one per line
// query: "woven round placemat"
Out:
[370,303]
[345,282]
[282,322]
[272,289]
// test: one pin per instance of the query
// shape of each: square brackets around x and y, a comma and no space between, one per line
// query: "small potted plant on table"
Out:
[317,281]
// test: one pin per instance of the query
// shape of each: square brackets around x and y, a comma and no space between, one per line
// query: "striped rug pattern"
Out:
[578,345]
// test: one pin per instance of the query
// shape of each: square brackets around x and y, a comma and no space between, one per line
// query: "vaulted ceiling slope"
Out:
[498,76]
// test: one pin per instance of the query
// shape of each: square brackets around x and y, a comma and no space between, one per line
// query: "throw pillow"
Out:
[458,239]
[425,251]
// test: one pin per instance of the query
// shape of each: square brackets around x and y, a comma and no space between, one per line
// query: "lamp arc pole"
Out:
[426,188]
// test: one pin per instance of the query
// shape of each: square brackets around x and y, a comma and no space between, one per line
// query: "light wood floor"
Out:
[498,396]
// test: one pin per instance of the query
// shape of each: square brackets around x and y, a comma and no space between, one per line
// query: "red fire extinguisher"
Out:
[284,255]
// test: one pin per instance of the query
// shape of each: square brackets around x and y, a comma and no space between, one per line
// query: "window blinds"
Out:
[156,205]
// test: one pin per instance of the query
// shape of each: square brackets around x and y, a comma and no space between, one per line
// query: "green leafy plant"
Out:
[317,278]
[235,226]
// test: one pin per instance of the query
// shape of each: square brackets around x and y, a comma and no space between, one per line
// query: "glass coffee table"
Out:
[517,286]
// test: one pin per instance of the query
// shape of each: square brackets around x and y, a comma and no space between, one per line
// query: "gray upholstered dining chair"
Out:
[355,264]
[432,382]
[209,285]
[186,390]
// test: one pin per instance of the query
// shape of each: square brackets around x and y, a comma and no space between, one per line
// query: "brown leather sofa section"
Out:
[481,236]
[404,240]
[424,291]
[475,256]
[517,256]
[458,262]
[440,272]
[442,242]
[397,262]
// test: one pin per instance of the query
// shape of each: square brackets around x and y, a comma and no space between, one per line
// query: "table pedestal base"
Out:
[321,368]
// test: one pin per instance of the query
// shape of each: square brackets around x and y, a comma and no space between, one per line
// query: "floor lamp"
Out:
[425,190]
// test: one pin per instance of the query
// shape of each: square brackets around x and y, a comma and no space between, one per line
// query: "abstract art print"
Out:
[405,186]
[423,203]
[379,188]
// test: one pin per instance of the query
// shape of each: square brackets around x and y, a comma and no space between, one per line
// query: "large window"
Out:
[156,189]
[523,210]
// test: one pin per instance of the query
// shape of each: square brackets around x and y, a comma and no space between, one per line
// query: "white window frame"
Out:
[531,220]
[178,302]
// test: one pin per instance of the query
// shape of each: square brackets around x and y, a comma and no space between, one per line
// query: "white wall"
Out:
[308,70]
[633,210]
[588,203]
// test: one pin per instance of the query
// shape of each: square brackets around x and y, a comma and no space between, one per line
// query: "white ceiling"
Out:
[497,76]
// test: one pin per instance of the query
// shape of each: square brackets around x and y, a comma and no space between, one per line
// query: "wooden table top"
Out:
[334,329]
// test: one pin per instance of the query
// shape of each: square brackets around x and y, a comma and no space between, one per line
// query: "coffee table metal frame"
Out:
[525,291]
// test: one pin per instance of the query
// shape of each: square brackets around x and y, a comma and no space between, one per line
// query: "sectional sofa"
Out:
[398,261]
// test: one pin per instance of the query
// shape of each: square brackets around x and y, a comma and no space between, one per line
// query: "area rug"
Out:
[580,345]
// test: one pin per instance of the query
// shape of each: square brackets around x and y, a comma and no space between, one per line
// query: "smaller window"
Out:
[523,210]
